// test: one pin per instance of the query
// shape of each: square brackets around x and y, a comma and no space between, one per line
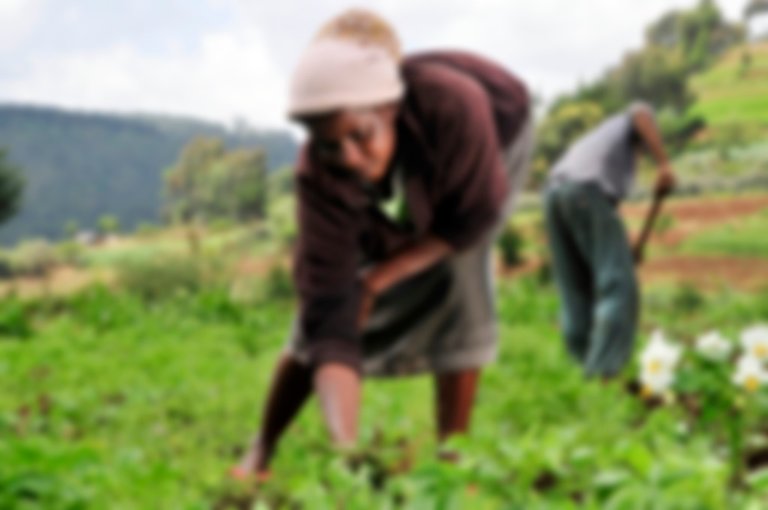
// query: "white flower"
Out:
[713,346]
[657,382]
[755,342]
[657,364]
[750,373]
[660,355]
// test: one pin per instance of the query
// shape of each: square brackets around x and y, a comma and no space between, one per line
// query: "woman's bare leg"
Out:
[291,385]
[454,396]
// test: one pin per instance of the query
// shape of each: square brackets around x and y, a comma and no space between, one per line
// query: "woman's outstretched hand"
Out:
[404,265]
[367,299]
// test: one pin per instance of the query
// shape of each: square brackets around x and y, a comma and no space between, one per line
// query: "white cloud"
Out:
[222,59]
[553,44]
[228,75]
[17,20]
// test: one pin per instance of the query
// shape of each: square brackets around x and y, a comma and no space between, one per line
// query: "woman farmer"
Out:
[410,168]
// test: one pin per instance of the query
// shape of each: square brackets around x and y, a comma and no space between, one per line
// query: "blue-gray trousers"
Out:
[594,269]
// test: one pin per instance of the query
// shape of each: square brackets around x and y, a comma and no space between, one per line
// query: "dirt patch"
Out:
[693,216]
[61,281]
[527,266]
[704,210]
[713,273]
[253,266]
[260,267]
[708,272]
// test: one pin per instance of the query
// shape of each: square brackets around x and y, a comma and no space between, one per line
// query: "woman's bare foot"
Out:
[252,467]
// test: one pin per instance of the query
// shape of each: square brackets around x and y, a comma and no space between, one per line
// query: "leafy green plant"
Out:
[34,257]
[511,243]
[167,276]
[687,299]
[719,387]
[278,283]
[15,321]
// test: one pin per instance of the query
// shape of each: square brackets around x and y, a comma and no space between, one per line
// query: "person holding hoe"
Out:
[592,261]
[410,168]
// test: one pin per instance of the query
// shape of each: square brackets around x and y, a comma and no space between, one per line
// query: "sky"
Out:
[231,60]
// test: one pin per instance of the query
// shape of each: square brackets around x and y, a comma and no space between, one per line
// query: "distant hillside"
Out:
[80,166]
[735,90]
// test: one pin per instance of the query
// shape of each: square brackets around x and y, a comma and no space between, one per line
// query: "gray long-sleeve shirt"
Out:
[605,155]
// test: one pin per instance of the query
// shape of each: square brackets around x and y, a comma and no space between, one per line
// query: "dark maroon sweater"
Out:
[458,114]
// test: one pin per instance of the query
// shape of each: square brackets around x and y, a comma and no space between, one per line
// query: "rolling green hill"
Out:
[80,166]
[735,90]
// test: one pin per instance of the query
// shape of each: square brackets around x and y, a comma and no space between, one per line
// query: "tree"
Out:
[71,227]
[109,224]
[184,182]
[701,34]
[11,188]
[281,182]
[755,8]
[677,45]
[246,183]
[654,74]
[563,125]
[209,183]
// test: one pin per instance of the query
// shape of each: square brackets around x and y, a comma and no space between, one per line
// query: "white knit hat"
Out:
[334,74]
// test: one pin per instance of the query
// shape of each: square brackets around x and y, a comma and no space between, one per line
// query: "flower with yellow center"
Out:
[751,382]
[656,384]
[750,373]
[657,365]
[660,354]
[755,341]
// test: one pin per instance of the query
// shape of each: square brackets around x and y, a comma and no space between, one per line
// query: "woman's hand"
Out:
[366,305]
[400,267]
[375,280]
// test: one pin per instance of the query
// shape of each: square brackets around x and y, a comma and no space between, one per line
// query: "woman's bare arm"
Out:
[409,262]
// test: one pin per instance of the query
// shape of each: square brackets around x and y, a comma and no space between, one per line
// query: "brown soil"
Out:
[708,272]
[60,281]
[692,216]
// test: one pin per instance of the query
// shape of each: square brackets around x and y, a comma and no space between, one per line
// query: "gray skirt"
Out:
[444,318]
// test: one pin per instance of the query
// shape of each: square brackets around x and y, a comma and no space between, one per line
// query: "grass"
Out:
[727,94]
[143,401]
[251,238]
[744,237]
[111,403]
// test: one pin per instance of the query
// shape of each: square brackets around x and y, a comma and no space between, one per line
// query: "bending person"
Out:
[409,170]
[592,260]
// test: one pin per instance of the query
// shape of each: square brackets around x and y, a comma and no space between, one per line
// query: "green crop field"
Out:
[109,402]
[134,366]
[741,238]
